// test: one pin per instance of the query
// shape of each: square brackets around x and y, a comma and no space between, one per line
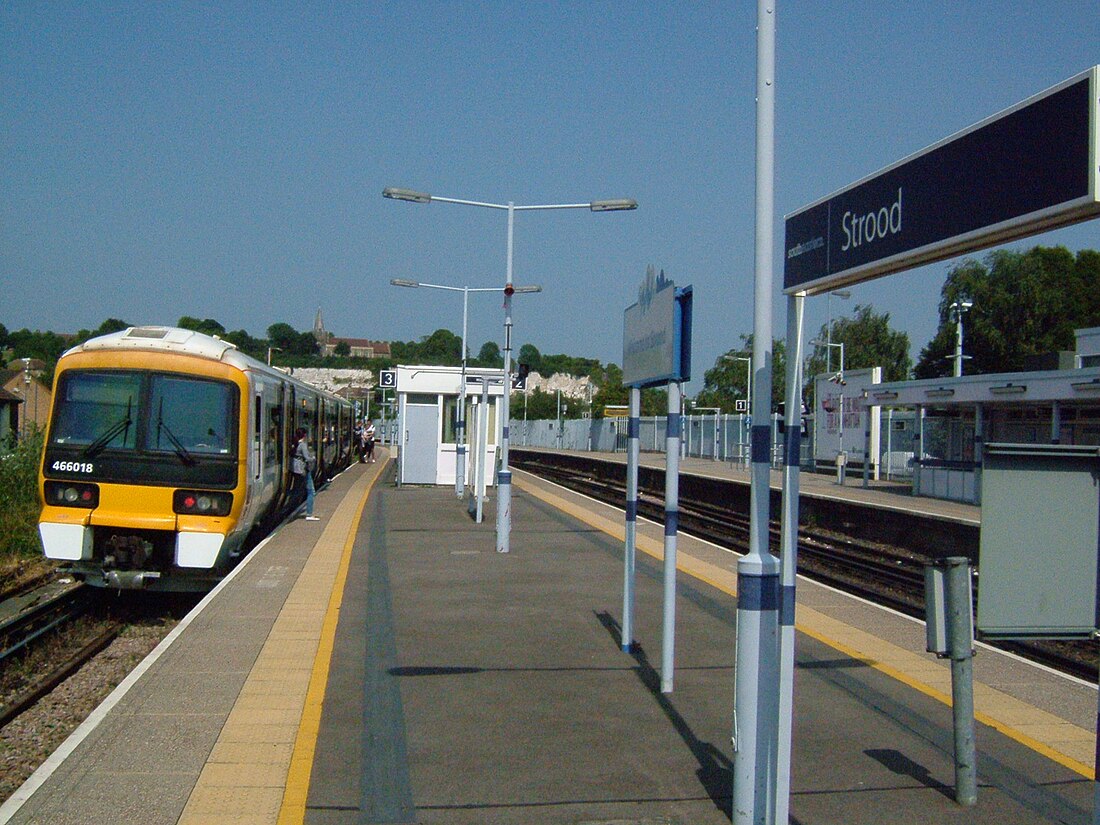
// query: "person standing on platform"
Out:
[369,441]
[361,442]
[302,466]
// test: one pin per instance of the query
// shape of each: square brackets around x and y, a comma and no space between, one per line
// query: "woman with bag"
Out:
[302,467]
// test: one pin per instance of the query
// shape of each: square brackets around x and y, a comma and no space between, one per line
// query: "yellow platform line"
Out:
[259,769]
[1074,747]
[293,811]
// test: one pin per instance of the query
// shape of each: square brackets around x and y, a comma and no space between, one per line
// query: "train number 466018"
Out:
[72,467]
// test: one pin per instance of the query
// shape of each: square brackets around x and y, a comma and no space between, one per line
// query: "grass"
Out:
[20,547]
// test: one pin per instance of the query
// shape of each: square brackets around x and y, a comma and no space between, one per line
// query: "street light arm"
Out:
[413,196]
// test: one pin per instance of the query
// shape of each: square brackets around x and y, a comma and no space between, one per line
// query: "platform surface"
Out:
[386,665]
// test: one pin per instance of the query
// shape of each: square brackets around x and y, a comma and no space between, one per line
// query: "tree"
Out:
[441,347]
[727,381]
[868,342]
[290,341]
[530,355]
[343,349]
[207,326]
[490,356]
[1024,303]
[256,347]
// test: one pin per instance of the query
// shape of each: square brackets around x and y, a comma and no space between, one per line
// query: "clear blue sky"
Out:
[227,160]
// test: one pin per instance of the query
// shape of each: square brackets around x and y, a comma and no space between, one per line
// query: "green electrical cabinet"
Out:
[1040,541]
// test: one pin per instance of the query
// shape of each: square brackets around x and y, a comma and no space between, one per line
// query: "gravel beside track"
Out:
[37,732]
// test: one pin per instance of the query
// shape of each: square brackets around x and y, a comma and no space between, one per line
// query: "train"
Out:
[168,456]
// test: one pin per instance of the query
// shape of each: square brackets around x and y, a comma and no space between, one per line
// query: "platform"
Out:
[386,665]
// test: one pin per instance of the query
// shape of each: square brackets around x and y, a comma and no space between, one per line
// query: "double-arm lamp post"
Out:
[504,475]
[460,413]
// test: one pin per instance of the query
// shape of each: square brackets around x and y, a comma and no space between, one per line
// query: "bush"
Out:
[19,502]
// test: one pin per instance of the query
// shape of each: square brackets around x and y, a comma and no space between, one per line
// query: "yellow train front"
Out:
[168,453]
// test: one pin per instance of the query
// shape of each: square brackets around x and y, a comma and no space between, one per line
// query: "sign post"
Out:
[656,349]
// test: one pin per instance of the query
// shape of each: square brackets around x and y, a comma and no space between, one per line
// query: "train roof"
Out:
[184,342]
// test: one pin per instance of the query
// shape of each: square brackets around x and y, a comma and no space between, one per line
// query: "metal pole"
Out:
[959,606]
[958,339]
[756,689]
[788,557]
[672,516]
[633,451]
[483,448]
[460,416]
[866,441]
[504,476]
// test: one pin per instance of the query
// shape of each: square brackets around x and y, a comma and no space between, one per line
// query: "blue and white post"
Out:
[788,558]
[672,517]
[504,476]
[633,453]
[757,672]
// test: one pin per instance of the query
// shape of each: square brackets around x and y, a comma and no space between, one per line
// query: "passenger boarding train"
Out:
[168,456]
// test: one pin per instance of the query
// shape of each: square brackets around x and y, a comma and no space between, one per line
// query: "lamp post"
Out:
[460,414]
[957,309]
[839,380]
[271,350]
[840,293]
[504,475]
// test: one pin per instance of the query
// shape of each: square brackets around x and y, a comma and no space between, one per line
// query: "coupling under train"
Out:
[168,455]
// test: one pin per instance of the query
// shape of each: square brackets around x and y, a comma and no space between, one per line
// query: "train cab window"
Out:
[97,409]
[192,415]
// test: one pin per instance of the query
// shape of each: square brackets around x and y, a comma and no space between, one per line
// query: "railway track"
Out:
[29,616]
[885,574]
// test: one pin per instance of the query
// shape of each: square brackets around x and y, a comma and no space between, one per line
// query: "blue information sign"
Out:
[657,333]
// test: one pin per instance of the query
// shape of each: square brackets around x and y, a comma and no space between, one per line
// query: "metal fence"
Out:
[721,438]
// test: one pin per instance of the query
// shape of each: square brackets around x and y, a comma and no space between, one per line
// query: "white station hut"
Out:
[427,406]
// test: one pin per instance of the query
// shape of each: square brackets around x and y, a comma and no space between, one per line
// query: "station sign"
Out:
[387,379]
[657,333]
[1026,170]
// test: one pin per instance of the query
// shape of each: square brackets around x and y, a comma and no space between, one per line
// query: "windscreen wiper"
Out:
[119,427]
[181,451]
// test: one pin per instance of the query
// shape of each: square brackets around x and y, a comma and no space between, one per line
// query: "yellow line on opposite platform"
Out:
[293,810]
[864,647]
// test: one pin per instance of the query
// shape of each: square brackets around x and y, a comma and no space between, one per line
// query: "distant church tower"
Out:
[319,333]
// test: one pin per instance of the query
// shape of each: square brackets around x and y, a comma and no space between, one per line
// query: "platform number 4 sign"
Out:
[387,379]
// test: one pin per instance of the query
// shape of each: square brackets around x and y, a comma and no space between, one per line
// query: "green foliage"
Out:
[529,354]
[19,502]
[207,326]
[727,381]
[490,355]
[291,342]
[610,392]
[868,342]
[1024,303]
[256,347]
[45,346]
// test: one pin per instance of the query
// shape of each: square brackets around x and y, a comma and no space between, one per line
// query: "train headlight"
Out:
[202,503]
[72,494]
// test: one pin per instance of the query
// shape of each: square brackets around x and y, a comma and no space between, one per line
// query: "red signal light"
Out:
[509,289]
[189,502]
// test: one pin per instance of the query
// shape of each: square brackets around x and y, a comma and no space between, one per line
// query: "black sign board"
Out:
[1026,170]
